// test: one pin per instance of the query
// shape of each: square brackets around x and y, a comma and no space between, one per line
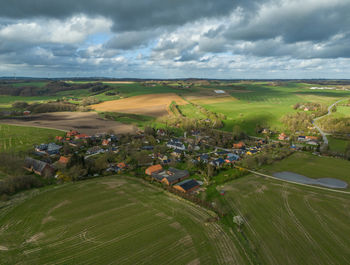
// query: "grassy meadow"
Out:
[313,166]
[21,138]
[111,220]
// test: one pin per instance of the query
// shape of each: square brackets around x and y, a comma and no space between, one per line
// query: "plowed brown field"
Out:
[152,105]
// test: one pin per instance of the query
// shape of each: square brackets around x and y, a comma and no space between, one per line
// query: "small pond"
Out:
[325,182]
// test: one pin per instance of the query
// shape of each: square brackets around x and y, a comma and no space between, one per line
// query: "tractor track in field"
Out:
[301,228]
[323,223]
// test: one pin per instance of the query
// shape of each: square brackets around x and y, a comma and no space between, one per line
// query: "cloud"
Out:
[127,15]
[183,38]
[73,30]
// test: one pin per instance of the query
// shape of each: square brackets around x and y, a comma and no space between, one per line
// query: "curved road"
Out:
[324,136]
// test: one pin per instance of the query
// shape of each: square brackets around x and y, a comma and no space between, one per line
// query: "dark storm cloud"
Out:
[126,14]
[301,21]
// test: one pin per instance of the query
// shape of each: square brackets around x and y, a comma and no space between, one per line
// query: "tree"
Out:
[347,151]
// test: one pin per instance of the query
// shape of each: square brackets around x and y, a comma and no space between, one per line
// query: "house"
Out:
[233,156]
[39,167]
[171,176]
[265,131]
[50,149]
[81,136]
[121,165]
[282,137]
[94,150]
[153,169]
[63,160]
[161,132]
[230,159]
[53,149]
[177,153]
[72,133]
[301,138]
[251,152]
[59,138]
[176,144]
[147,147]
[187,185]
[203,158]
[221,153]
[311,142]
[239,145]
[105,142]
[311,138]
[218,162]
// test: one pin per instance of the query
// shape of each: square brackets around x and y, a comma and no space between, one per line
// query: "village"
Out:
[186,163]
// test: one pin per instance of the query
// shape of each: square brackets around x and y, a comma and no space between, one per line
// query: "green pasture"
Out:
[111,220]
[290,224]
[337,145]
[21,138]
[265,104]
[313,166]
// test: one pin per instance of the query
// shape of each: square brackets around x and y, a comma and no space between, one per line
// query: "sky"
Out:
[224,39]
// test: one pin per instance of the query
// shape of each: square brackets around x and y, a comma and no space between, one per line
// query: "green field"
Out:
[313,166]
[290,224]
[21,138]
[263,104]
[337,145]
[111,220]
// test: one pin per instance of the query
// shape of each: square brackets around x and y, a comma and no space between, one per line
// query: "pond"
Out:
[325,182]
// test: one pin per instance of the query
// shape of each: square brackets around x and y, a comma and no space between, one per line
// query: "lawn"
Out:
[22,138]
[290,224]
[313,166]
[111,220]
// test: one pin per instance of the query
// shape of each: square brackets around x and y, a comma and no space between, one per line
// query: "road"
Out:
[324,136]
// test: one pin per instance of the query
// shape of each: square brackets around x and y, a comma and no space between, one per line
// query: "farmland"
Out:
[290,224]
[152,105]
[20,138]
[86,122]
[111,220]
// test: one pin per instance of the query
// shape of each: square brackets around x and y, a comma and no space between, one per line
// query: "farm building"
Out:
[38,167]
[153,169]
[171,176]
[187,185]
[50,149]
